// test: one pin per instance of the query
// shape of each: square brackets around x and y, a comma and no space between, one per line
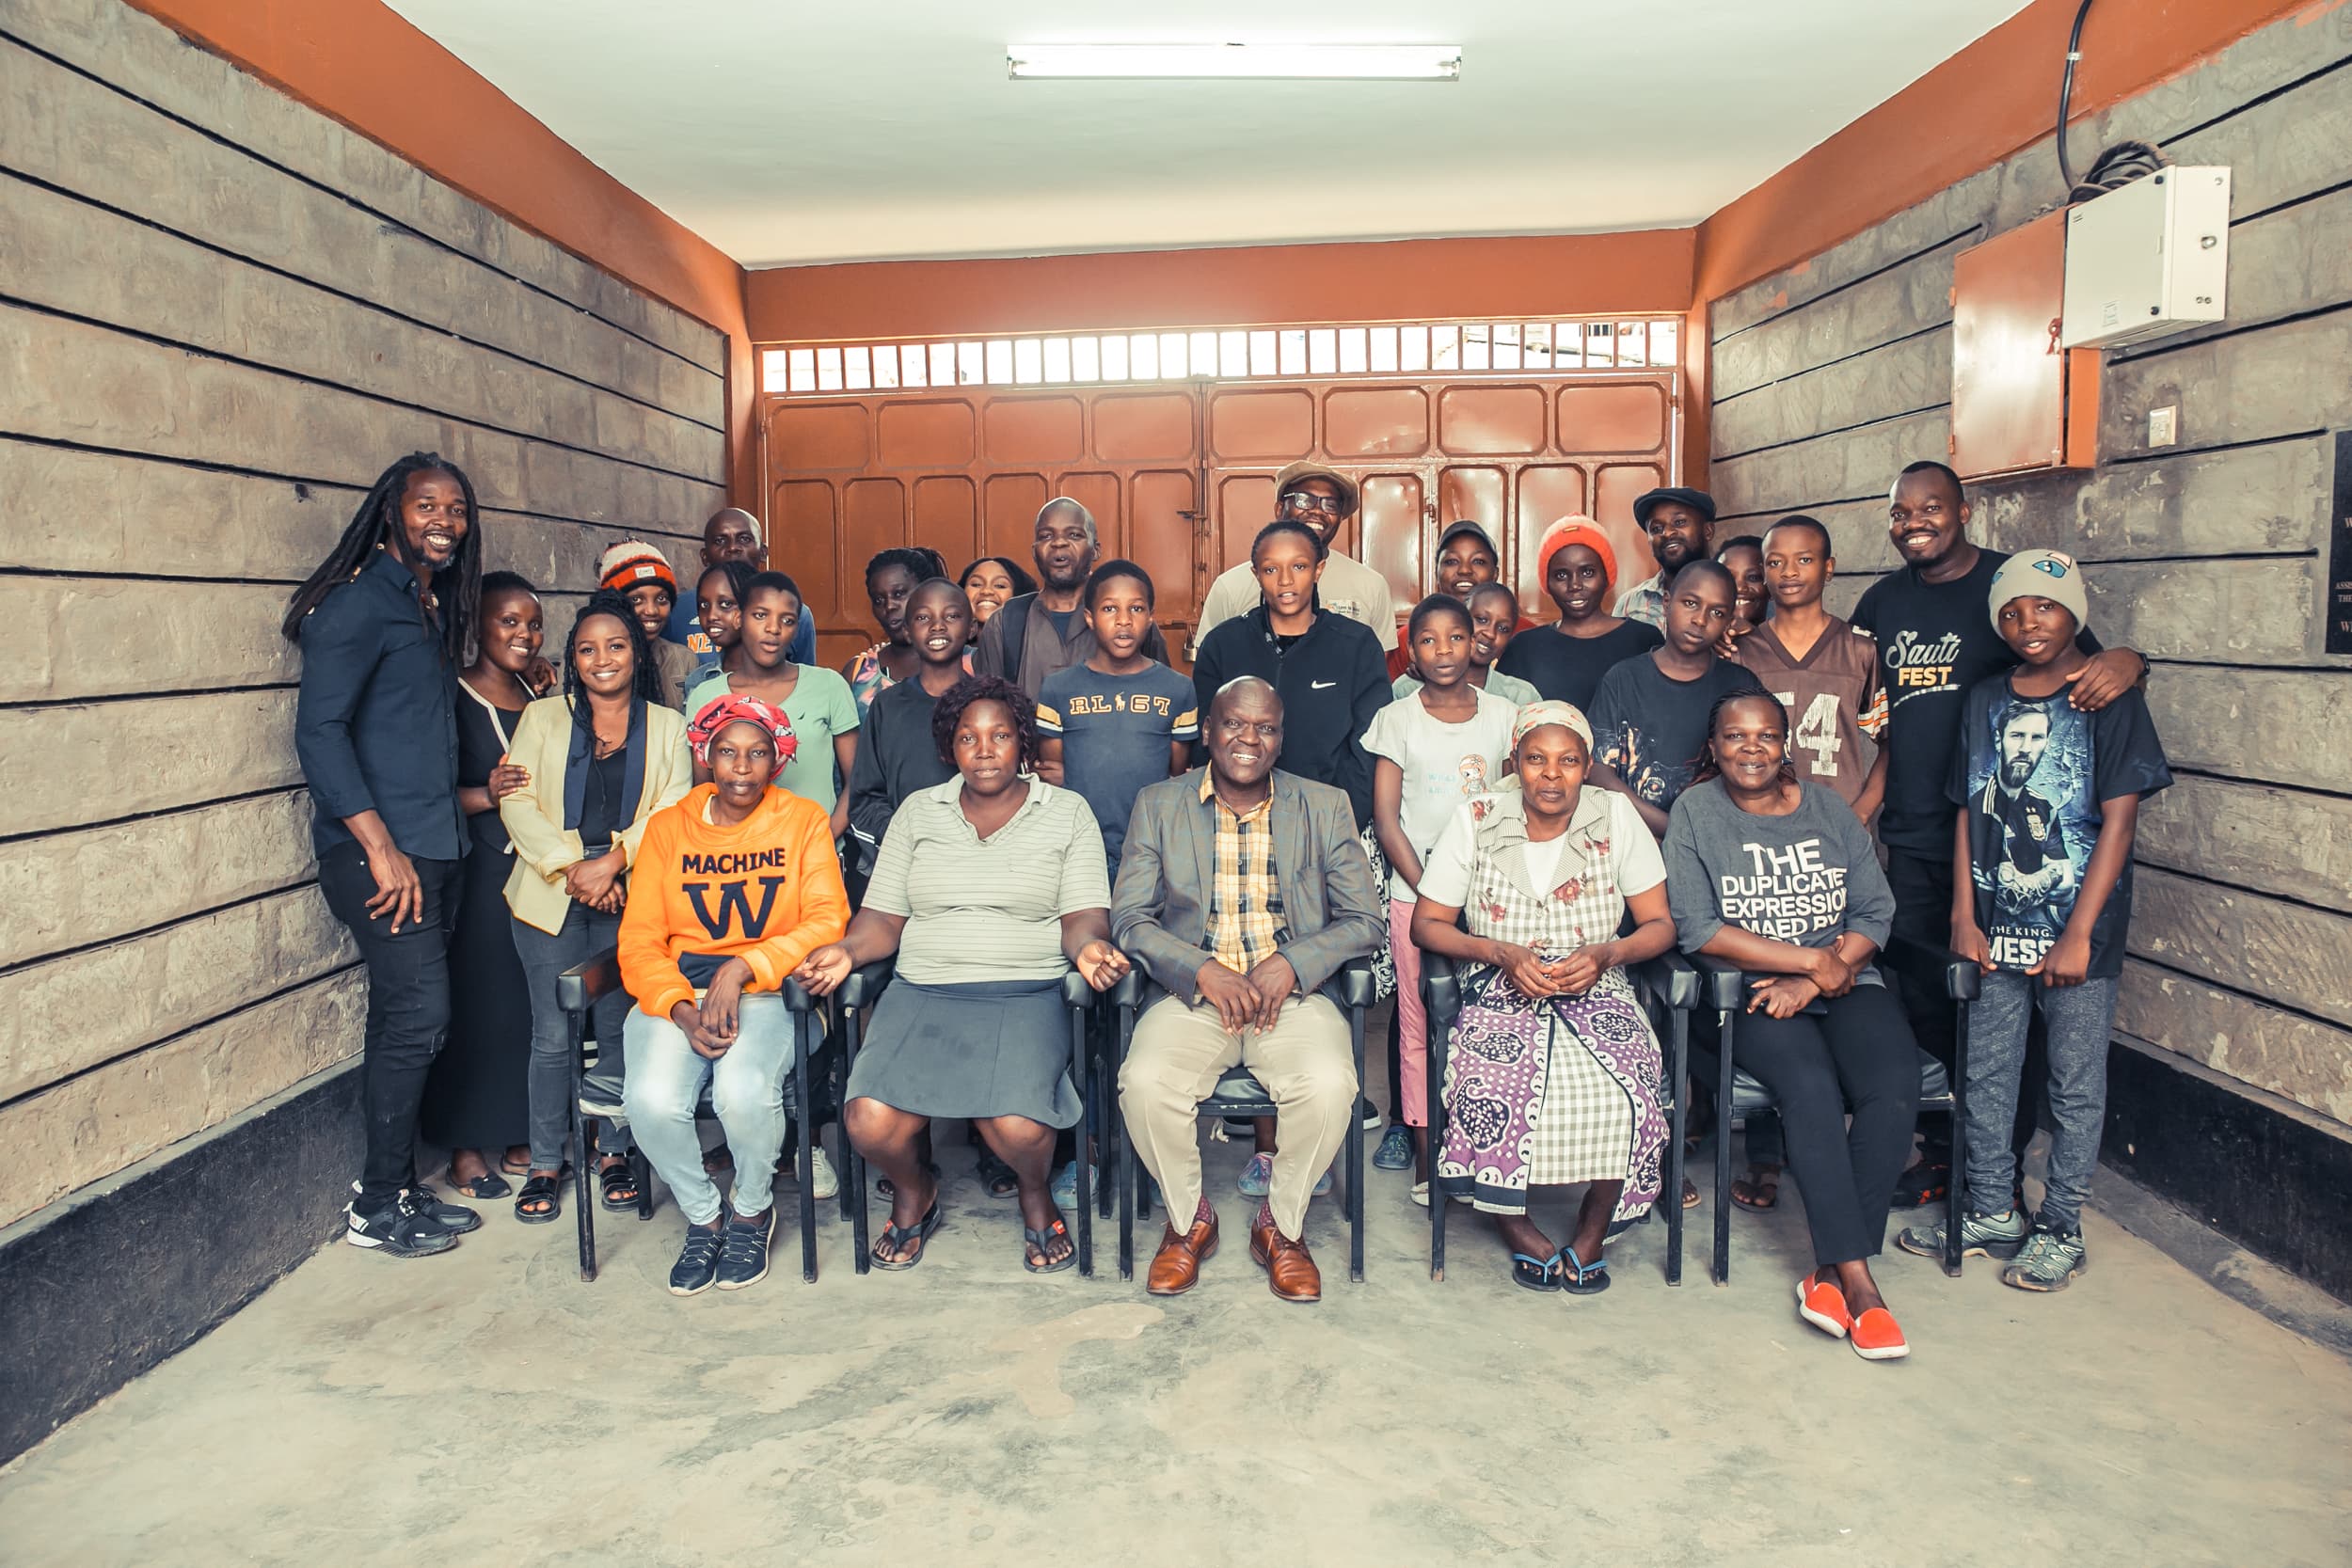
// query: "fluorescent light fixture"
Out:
[1392,62]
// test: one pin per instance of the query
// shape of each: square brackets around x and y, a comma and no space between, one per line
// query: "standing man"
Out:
[732,534]
[1681,523]
[1242,892]
[1935,641]
[1324,499]
[382,625]
[1036,634]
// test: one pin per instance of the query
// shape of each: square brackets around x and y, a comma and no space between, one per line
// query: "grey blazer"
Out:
[1160,909]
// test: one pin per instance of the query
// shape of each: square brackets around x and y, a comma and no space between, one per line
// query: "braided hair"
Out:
[974,689]
[1289,524]
[373,527]
[645,684]
[1704,767]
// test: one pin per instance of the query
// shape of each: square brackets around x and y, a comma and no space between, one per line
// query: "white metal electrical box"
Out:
[2148,258]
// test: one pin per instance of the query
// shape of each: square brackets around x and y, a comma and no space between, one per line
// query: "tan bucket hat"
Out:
[1309,469]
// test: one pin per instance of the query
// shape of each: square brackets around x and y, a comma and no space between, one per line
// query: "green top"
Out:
[821,708]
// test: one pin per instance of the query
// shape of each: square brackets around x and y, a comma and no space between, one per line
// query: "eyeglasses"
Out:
[1303,500]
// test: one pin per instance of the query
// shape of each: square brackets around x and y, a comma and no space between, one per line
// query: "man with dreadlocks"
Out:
[384,624]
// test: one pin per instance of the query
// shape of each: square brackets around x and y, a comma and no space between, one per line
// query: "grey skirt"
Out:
[1000,1048]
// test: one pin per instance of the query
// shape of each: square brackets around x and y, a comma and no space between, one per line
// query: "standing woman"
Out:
[1566,660]
[598,761]
[891,578]
[991,581]
[824,715]
[383,623]
[475,1099]
[1776,874]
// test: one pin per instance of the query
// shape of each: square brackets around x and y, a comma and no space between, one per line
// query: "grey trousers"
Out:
[2079,1019]
[585,934]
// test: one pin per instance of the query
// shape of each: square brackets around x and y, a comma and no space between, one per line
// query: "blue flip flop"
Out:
[1529,1273]
[1580,1278]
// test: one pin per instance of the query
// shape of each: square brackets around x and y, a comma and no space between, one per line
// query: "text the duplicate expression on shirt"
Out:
[1791,891]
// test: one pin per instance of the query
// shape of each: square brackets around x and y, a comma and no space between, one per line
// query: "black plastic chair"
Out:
[1933,970]
[1669,988]
[578,990]
[1238,1094]
[860,991]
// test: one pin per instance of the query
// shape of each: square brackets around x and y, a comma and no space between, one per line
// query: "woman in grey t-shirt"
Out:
[1778,875]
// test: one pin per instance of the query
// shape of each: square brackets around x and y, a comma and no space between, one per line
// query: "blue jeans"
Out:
[2079,1019]
[586,933]
[750,1090]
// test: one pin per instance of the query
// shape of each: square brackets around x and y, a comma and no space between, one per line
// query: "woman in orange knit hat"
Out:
[1566,660]
[732,888]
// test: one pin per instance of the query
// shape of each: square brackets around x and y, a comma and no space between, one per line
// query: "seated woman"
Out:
[596,763]
[734,886]
[1777,875]
[1555,1074]
[989,888]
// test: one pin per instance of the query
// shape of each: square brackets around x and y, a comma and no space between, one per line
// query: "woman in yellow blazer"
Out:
[601,759]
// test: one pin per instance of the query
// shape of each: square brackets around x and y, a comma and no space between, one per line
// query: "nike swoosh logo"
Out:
[1321,685]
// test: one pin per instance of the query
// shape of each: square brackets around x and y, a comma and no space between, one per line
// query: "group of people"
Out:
[1013,783]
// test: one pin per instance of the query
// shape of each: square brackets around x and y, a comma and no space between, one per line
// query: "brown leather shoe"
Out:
[1176,1267]
[1290,1272]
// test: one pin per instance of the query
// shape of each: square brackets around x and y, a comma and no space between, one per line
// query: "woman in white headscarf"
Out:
[1553,1076]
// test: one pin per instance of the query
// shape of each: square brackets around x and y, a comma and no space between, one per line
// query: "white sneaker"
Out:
[823,1181]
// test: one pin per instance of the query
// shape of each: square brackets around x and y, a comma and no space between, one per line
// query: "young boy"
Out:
[1494,612]
[1824,672]
[642,574]
[2041,861]
[1121,721]
[1649,715]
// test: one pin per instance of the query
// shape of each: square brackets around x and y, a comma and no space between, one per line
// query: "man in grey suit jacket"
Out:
[1241,893]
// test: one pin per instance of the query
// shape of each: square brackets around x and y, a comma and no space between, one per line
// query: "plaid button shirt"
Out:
[1246,924]
[1646,600]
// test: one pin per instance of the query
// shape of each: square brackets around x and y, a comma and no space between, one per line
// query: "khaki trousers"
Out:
[1179,1052]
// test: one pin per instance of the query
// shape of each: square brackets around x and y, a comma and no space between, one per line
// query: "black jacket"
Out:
[1332,681]
[896,757]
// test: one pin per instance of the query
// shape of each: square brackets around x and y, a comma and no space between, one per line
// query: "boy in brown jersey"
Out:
[1826,675]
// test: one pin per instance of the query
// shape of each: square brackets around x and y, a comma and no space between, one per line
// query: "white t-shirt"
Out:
[1347,587]
[1444,765]
[1634,856]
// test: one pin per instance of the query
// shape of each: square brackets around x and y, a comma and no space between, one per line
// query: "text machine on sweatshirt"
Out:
[1788,890]
[721,887]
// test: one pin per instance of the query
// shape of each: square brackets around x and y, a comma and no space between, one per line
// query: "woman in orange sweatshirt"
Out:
[731,889]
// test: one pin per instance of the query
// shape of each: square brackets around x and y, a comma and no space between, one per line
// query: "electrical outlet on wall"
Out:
[2164,425]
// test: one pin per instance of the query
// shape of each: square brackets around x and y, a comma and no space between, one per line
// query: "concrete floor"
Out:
[488,1407]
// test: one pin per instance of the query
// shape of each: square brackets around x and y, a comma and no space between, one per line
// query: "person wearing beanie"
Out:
[642,574]
[2048,798]
[1681,523]
[1322,499]
[1565,661]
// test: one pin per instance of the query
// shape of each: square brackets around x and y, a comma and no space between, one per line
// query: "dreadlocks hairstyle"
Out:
[458,585]
[1704,765]
[1021,582]
[644,685]
[974,689]
[1290,525]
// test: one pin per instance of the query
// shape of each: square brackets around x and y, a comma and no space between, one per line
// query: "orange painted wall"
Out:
[1401,280]
[361,63]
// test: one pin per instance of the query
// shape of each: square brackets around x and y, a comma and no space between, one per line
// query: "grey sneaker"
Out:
[697,1266]
[1981,1236]
[2050,1262]
[743,1257]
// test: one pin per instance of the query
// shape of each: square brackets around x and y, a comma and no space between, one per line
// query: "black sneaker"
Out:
[1368,1115]
[456,1218]
[697,1266]
[744,1258]
[1922,1184]
[394,1232]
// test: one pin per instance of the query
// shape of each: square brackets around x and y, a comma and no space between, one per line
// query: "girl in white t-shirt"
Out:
[1431,750]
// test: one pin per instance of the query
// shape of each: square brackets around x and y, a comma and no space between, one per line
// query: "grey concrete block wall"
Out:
[2206,555]
[224,314]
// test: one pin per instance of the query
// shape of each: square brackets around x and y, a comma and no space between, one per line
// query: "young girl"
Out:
[1565,661]
[1751,598]
[991,581]
[719,599]
[1494,614]
[899,756]
[890,578]
[1430,751]
[824,713]
[641,575]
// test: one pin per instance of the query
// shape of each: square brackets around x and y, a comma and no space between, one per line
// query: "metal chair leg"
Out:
[804,1147]
[583,1211]
[1355,1158]
[840,1129]
[1126,1156]
[1081,1076]
[1677,1067]
[853,1173]
[1434,1063]
[1723,1151]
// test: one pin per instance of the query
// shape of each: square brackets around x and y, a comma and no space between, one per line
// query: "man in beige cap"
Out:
[1322,499]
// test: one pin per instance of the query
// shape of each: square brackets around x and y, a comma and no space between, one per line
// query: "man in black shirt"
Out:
[383,625]
[1936,640]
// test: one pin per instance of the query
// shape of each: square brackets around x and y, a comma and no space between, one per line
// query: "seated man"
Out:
[1241,893]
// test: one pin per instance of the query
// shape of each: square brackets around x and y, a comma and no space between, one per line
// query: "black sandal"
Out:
[486,1188]
[896,1236]
[1037,1239]
[1759,1195]
[544,1191]
[1531,1272]
[618,1183]
[997,1175]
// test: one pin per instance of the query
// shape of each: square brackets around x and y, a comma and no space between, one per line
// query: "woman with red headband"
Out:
[733,887]
[1566,660]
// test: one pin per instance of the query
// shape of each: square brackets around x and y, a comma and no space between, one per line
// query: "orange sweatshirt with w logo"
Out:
[766,891]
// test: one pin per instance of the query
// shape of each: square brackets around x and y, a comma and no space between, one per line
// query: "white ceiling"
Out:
[786,132]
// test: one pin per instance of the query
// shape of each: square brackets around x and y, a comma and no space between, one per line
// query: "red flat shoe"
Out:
[1877,1337]
[1824,1306]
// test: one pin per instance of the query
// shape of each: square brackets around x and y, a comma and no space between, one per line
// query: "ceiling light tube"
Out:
[1389,62]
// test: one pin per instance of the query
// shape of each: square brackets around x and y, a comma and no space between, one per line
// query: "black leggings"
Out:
[1858,1057]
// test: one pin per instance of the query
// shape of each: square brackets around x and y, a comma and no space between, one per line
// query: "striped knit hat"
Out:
[630,563]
